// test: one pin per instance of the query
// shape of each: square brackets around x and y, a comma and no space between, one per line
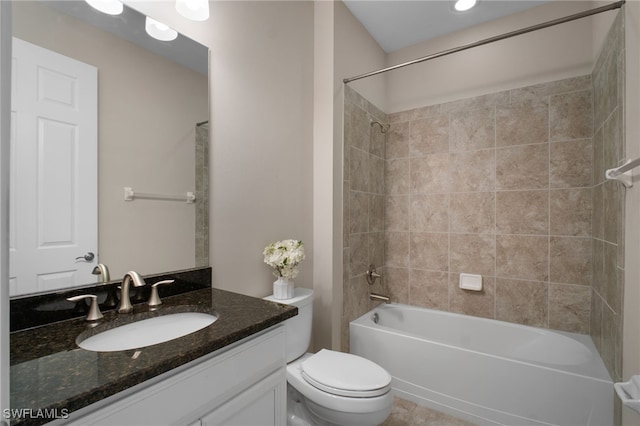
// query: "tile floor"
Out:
[406,413]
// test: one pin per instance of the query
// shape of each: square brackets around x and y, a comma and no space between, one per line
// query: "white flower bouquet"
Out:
[284,257]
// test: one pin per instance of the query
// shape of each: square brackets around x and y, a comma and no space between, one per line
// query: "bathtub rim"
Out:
[594,368]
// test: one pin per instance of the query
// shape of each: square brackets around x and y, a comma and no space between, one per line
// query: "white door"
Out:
[53,194]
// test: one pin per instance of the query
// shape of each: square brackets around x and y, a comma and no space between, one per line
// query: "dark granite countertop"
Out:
[50,372]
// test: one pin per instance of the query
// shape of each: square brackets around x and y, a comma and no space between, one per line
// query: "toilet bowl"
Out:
[330,387]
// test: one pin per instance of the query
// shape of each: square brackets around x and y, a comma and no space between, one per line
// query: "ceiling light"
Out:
[196,10]
[110,7]
[159,31]
[464,5]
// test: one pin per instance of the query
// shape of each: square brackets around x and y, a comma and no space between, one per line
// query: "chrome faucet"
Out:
[102,270]
[125,303]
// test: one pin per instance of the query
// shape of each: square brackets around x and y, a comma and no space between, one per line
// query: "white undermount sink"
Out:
[148,332]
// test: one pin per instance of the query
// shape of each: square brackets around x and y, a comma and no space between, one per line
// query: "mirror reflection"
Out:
[107,108]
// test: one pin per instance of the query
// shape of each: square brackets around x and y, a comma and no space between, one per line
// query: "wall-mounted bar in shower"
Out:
[612,6]
[623,173]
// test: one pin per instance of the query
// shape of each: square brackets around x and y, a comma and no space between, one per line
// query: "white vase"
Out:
[282,288]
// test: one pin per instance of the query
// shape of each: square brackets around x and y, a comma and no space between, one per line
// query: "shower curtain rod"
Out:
[547,24]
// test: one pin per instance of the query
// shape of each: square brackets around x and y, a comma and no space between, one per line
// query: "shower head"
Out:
[384,128]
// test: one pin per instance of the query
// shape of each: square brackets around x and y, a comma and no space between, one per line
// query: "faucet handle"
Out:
[154,300]
[94,311]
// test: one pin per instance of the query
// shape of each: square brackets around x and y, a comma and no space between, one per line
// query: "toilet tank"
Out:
[298,328]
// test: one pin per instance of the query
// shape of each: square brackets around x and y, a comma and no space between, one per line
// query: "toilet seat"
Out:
[344,374]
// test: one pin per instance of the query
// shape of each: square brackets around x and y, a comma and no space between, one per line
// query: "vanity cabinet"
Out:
[244,384]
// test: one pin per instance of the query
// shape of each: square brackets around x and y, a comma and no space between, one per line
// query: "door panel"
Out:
[53,217]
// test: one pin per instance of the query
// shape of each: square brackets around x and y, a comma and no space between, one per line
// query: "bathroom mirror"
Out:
[152,136]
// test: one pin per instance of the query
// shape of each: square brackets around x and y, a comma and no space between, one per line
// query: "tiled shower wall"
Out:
[608,202]
[364,200]
[509,186]
[497,185]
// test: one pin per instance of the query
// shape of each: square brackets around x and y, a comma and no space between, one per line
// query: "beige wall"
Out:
[146,140]
[631,328]
[261,91]
[551,54]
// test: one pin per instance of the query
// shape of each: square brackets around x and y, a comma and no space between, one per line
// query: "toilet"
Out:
[329,387]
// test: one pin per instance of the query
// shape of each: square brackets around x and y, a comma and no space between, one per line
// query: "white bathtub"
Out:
[486,371]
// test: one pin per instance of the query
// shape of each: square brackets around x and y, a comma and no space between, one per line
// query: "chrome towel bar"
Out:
[623,173]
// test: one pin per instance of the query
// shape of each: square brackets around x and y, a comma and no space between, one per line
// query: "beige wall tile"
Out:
[570,308]
[522,302]
[359,170]
[429,289]
[358,254]
[613,202]
[570,164]
[473,254]
[522,123]
[597,211]
[377,144]
[597,274]
[522,167]
[396,179]
[396,249]
[482,101]
[429,136]
[472,130]
[358,212]
[429,213]
[570,260]
[398,284]
[522,212]
[376,212]
[595,329]
[356,130]
[612,283]
[397,213]
[430,174]
[570,116]
[570,211]
[472,213]
[376,174]
[376,248]
[523,257]
[429,251]
[613,140]
[472,170]
[475,303]
[598,157]
[397,141]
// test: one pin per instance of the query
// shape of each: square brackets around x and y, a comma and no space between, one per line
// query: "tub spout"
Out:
[379,298]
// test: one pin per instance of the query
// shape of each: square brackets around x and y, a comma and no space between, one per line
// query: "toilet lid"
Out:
[345,374]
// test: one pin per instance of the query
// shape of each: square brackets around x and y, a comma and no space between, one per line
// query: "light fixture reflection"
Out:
[196,10]
[110,7]
[159,31]
[464,5]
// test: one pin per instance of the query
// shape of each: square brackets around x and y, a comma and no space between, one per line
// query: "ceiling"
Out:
[398,24]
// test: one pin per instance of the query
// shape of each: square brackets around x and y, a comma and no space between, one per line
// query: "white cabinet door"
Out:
[54,178]
[251,373]
[264,404]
